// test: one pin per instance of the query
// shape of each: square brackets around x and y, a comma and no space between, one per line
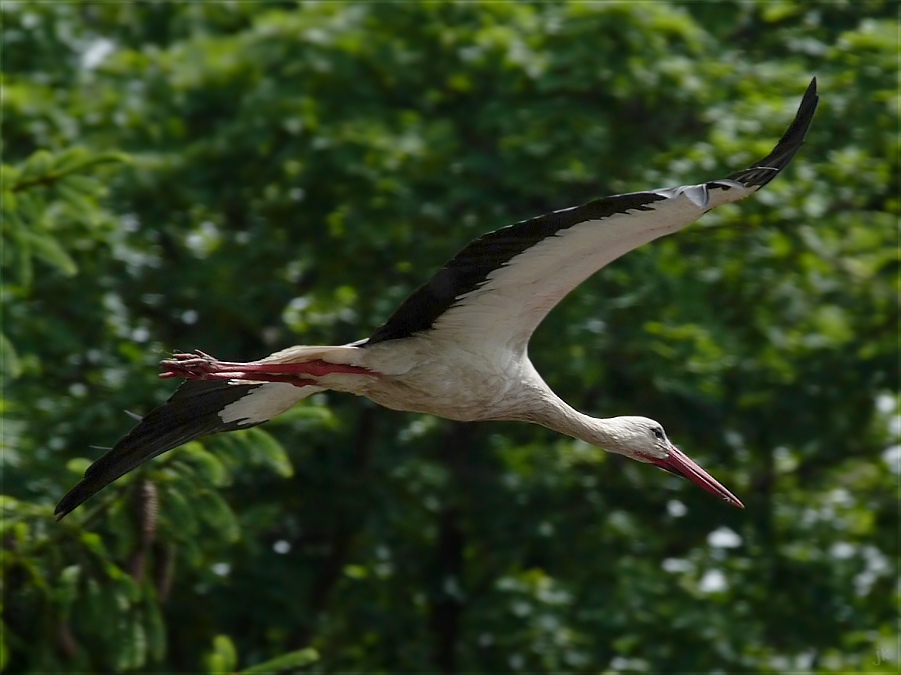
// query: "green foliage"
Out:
[45,200]
[293,172]
[285,662]
[42,197]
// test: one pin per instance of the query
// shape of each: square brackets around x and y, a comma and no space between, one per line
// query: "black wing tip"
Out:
[72,500]
[765,170]
[61,512]
[94,480]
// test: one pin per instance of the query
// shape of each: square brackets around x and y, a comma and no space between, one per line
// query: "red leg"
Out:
[200,366]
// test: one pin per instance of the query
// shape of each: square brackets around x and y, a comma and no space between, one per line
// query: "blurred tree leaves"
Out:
[45,200]
[294,171]
[38,198]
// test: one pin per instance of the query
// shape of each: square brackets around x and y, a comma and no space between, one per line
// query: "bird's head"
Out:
[644,440]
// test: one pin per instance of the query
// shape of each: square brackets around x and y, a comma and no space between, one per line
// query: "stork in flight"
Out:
[457,347]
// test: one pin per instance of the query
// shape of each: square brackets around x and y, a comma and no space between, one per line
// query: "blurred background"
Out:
[241,177]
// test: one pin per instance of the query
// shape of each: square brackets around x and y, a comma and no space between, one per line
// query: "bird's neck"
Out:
[549,410]
[600,432]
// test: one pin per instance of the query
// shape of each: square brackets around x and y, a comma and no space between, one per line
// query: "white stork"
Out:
[457,347]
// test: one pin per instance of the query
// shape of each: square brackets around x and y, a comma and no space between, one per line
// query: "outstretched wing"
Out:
[500,287]
[197,408]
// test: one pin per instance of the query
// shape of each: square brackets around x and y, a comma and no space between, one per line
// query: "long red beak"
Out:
[681,464]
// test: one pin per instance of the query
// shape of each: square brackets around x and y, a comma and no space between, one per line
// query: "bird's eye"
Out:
[658,433]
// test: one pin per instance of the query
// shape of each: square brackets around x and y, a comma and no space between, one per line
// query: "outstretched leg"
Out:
[200,366]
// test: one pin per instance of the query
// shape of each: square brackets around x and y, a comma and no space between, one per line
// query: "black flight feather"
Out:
[191,412]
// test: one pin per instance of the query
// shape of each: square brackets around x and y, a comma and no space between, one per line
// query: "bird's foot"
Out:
[194,366]
[198,365]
